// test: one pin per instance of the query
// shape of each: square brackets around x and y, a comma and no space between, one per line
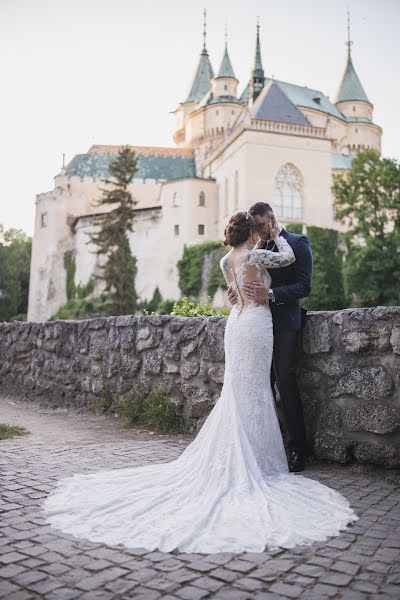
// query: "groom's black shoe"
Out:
[296,461]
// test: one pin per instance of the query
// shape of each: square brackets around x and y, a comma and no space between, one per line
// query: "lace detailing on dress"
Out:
[267,259]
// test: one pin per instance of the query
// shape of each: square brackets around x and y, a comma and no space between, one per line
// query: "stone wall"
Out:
[349,371]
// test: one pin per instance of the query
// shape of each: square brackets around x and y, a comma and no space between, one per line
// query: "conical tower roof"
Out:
[202,79]
[258,68]
[350,87]
[226,69]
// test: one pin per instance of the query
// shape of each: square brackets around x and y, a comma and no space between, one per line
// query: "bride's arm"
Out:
[266,259]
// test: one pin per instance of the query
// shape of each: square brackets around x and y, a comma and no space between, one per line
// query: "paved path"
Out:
[37,561]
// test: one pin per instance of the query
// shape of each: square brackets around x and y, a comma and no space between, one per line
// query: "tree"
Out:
[112,240]
[15,259]
[367,200]
[327,292]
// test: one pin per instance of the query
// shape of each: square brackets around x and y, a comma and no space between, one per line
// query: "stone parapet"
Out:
[349,370]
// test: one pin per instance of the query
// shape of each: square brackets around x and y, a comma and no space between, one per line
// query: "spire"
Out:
[226,69]
[204,73]
[257,75]
[350,87]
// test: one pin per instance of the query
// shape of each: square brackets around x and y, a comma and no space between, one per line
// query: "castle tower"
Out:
[201,84]
[350,90]
[353,103]
[257,75]
[225,83]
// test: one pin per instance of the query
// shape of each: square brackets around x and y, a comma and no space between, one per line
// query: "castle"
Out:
[275,142]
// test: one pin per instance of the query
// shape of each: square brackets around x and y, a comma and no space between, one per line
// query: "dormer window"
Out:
[317,100]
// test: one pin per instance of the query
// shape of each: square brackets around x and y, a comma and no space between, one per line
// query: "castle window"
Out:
[176,201]
[176,230]
[216,112]
[202,199]
[354,109]
[225,87]
[356,130]
[201,229]
[226,198]
[288,193]
[43,220]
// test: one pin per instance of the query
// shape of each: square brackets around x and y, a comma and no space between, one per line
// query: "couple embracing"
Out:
[232,489]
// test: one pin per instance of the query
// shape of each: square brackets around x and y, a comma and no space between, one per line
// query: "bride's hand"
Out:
[273,227]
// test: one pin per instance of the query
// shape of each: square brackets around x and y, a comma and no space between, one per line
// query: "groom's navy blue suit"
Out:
[289,285]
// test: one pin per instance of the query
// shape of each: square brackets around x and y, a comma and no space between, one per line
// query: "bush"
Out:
[151,410]
[9,431]
[187,308]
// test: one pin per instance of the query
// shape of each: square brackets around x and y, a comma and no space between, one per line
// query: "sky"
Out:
[78,72]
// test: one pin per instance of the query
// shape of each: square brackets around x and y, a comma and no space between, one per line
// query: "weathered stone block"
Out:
[367,341]
[367,383]
[152,363]
[216,373]
[189,369]
[386,455]
[376,418]
[316,335]
[395,339]
[331,446]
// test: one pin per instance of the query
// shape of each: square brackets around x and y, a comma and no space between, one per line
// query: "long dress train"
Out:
[230,490]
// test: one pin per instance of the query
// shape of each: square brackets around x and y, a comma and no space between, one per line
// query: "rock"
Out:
[375,418]
[130,365]
[395,339]
[171,367]
[367,383]
[377,454]
[97,323]
[189,348]
[310,379]
[367,341]
[152,363]
[143,334]
[189,369]
[127,339]
[316,335]
[216,373]
[330,445]
[124,321]
[330,417]
[171,348]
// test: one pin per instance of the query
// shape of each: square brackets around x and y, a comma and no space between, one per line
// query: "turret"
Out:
[257,76]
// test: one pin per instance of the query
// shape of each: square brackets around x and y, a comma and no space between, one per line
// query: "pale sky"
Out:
[78,72]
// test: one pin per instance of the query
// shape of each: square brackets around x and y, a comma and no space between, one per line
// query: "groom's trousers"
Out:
[283,372]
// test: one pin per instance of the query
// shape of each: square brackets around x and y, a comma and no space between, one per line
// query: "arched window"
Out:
[202,199]
[176,200]
[288,193]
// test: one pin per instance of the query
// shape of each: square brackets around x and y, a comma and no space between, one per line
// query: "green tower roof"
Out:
[202,79]
[226,69]
[350,87]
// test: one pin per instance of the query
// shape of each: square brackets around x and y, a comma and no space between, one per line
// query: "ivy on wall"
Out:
[190,267]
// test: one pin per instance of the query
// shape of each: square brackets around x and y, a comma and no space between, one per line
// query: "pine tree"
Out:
[112,240]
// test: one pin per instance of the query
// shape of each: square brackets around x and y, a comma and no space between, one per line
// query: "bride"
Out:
[231,489]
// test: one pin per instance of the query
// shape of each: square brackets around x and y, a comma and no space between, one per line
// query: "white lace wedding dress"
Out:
[230,490]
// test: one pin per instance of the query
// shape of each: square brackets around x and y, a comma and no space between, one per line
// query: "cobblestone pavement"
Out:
[37,561]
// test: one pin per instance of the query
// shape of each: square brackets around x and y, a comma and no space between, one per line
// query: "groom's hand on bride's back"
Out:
[231,295]
[257,291]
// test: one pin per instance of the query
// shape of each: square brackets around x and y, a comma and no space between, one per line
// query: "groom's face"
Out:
[263,225]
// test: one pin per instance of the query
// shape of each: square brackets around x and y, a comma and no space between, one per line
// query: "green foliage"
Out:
[9,431]
[120,270]
[295,228]
[105,399]
[190,267]
[187,308]
[327,291]
[367,200]
[217,278]
[70,268]
[372,272]
[15,259]
[84,308]
[151,410]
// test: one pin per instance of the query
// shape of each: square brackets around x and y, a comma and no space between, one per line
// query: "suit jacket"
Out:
[290,284]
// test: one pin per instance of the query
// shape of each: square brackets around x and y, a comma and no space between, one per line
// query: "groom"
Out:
[288,285]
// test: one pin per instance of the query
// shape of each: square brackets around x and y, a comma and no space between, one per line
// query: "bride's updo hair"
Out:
[240,227]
